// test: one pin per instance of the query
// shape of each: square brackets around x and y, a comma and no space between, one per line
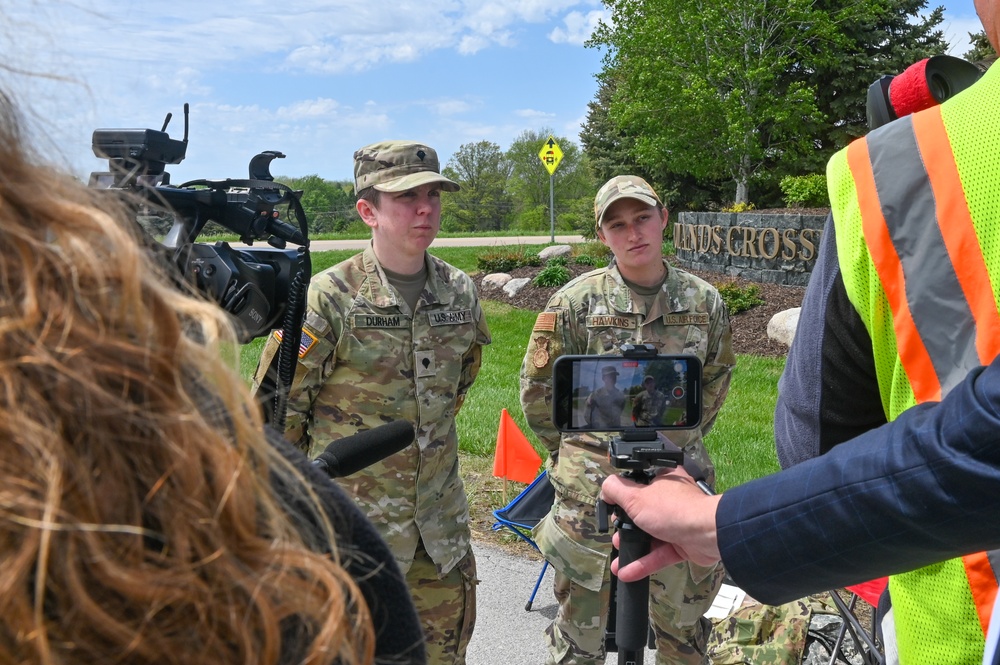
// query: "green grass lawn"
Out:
[741,442]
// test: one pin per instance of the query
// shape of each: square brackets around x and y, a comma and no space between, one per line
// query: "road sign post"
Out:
[551,155]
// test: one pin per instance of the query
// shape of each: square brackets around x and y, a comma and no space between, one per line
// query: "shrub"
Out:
[505,260]
[738,207]
[552,275]
[804,190]
[558,261]
[585,260]
[739,299]
[594,249]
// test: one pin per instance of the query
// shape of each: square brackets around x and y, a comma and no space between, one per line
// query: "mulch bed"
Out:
[749,327]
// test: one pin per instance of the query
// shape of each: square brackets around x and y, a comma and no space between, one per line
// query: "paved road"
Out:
[505,633]
[324,245]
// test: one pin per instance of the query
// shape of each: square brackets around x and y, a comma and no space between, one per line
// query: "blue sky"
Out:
[314,79]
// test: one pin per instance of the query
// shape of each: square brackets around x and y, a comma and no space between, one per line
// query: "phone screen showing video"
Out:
[613,393]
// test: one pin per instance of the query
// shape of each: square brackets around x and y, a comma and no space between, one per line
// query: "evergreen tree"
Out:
[873,39]
[982,51]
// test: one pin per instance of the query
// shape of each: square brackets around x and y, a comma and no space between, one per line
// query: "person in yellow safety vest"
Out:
[902,304]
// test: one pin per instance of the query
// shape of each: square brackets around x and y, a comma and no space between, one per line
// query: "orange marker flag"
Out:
[515,458]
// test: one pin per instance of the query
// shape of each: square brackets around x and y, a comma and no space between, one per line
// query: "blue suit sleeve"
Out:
[921,489]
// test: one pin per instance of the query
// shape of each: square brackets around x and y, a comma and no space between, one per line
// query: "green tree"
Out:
[328,204]
[982,50]
[870,39]
[701,84]
[483,203]
[607,145]
[609,149]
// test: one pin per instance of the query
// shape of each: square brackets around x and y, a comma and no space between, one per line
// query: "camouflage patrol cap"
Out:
[396,166]
[623,187]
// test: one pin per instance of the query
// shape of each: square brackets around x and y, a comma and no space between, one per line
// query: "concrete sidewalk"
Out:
[505,633]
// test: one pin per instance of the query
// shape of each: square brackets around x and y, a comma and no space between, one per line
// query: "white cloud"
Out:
[534,115]
[450,107]
[578,27]
[309,108]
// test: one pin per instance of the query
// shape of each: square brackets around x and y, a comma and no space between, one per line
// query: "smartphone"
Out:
[618,393]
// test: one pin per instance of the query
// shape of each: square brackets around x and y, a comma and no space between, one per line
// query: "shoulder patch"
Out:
[546,322]
[306,343]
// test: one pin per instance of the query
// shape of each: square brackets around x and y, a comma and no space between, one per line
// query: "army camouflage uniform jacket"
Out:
[595,314]
[367,360]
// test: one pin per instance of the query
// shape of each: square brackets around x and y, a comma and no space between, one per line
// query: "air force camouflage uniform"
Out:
[648,407]
[367,360]
[595,314]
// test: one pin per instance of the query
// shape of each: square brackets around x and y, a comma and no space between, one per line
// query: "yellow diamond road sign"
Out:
[551,155]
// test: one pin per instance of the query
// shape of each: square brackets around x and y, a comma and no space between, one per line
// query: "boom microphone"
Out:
[353,453]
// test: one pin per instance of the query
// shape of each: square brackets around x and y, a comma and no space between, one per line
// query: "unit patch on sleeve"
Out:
[540,358]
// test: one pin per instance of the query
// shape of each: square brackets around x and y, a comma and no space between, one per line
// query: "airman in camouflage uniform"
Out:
[648,406]
[638,299]
[395,333]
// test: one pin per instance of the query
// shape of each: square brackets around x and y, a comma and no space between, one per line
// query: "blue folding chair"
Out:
[523,513]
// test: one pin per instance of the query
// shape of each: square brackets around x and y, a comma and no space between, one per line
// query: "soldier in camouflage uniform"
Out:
[638,299]
[395,333]
[604,406]
[648,406]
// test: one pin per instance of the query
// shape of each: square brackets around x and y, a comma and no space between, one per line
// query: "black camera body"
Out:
[261,289]
[254,285]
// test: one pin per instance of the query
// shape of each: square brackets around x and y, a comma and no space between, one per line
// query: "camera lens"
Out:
[938,86]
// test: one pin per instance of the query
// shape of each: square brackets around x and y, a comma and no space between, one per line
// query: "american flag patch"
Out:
[305,344]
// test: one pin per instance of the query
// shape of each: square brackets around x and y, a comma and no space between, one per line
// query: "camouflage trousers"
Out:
[678,597]
[446,605]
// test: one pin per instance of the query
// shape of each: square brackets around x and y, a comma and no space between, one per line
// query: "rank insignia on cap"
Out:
[306,344]
[546,322]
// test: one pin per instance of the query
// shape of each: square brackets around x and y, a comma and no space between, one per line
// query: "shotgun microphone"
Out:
[353,453]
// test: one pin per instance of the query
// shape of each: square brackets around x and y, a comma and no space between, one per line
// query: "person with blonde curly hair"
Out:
[145,517]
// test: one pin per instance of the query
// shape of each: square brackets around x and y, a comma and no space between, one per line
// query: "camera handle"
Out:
[628,630]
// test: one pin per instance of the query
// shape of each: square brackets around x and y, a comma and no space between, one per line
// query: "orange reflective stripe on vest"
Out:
[959,233]
[923,245]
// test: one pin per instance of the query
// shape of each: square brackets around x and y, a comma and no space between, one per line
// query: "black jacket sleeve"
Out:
[828,392]
[922,489]
[399,637]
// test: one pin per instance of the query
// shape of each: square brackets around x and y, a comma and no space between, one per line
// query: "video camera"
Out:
[262,289]
[921,85]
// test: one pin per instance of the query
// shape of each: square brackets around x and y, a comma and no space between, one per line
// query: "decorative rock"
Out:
[496,280]
[555,250]
[513,286]
[781,327]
